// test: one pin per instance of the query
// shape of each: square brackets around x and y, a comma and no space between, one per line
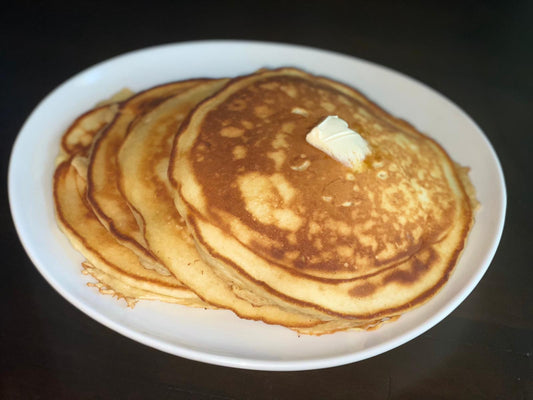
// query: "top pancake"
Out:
[260,201]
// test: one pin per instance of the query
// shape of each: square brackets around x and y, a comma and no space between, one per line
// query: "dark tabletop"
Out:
[478,54]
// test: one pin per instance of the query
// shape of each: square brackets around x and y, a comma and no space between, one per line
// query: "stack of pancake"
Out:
[205,193]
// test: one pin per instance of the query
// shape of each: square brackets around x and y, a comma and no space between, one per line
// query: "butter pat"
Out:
[333,137]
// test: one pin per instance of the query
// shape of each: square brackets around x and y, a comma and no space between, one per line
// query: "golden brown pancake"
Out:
[240,212]
[143,162]
[298,227]
[103,194]
[142,159]
[116,267]
[79,136]
[117,270]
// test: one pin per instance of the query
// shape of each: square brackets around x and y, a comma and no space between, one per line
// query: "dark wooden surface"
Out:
[479,54]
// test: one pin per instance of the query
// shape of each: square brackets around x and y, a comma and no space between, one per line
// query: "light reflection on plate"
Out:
[219,337]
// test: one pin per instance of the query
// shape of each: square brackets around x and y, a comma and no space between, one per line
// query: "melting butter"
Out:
[337,140]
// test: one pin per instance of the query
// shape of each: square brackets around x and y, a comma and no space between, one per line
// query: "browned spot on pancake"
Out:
[366,289]
[237,105]
[417,268]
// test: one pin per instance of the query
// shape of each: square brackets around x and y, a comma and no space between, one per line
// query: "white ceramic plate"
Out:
[219,337]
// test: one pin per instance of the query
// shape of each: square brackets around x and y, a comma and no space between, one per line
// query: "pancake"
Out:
[143,161]
[79,136]
[109,285]
[300,228]
[117,270]
[142,158]
[206,193]
[103,193]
